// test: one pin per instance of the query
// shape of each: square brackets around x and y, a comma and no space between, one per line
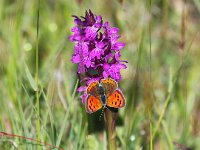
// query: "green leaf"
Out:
[30,78]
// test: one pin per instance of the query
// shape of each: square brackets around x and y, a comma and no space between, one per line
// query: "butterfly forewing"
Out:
[93,104]
[116,99]
[93,89]
[109,85]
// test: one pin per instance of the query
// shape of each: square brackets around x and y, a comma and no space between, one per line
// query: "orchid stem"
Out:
[110,130]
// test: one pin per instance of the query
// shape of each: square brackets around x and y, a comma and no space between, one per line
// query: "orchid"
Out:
[96,50]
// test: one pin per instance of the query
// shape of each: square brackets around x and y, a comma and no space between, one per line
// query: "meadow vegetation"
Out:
[161,83]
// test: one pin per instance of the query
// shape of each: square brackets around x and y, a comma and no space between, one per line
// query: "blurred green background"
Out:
[161,83]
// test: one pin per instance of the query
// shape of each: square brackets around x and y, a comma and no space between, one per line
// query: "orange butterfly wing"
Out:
[93,88]
[109,85]
[116,99]
[93,104]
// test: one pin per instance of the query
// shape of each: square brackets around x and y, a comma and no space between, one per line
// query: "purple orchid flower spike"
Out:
[96,50]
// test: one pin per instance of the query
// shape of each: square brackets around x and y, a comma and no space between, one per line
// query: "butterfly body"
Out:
[102,94]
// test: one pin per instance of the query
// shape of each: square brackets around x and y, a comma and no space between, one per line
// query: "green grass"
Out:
[161,83]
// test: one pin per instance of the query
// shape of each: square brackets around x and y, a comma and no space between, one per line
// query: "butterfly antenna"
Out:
[101,113]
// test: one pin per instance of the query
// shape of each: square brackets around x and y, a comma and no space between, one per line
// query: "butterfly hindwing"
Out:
[93,104]
[109,85]
[93,89]
[116,99]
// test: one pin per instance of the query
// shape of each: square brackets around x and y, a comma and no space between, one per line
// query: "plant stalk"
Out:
[110,129]
[36,80]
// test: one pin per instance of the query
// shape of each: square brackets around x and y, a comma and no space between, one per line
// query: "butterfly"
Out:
[104,94]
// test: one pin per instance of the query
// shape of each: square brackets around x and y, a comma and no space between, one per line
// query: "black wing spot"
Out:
[115,103]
